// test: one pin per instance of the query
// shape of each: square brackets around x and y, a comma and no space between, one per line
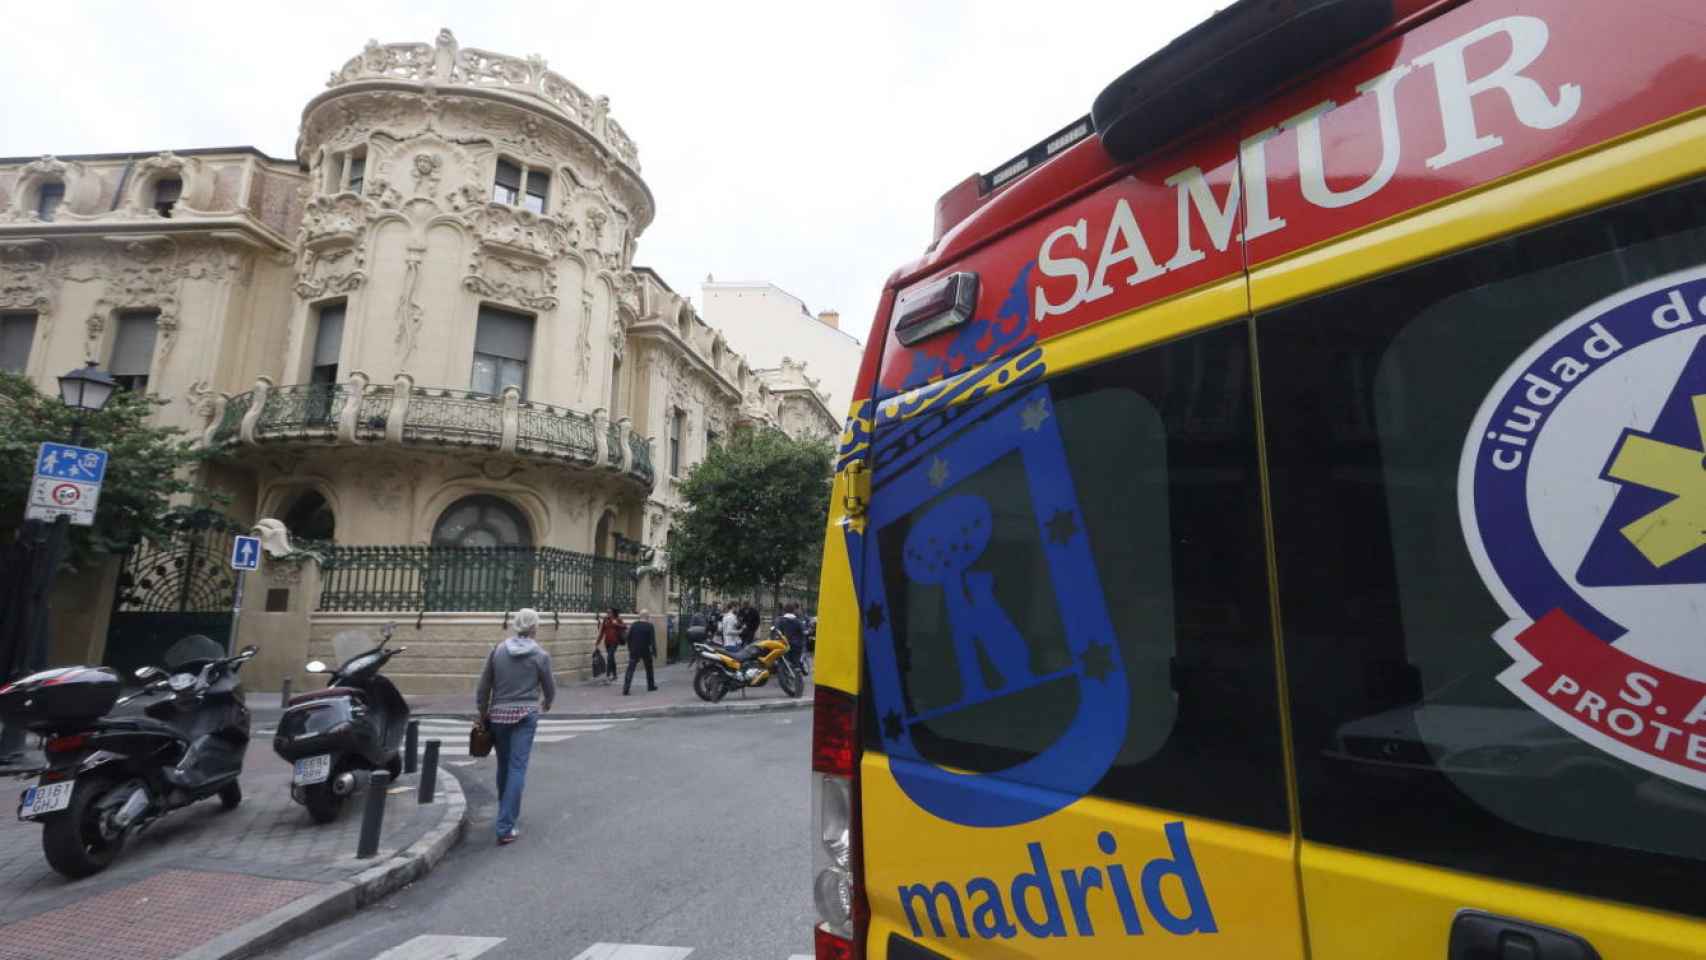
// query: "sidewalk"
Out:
[596,699]
[204,883]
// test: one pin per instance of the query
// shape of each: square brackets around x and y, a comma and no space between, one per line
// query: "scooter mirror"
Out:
[315,666]
[247,651]
[149,673]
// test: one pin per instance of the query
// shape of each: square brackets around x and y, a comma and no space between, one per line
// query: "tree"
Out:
[145,469]
[756,509]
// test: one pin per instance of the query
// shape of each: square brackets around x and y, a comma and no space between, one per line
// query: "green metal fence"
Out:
[473,579]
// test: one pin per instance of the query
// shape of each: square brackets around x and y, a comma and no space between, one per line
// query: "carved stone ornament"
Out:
[198,397]
[385,483]
[139,274]
[196,194]
[26,279]
[512,279]
[334,249]
[444,63]
[21,208]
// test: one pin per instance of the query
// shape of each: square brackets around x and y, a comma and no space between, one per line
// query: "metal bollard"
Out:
[429,771]
[284,693]
[412,747]
[372,815]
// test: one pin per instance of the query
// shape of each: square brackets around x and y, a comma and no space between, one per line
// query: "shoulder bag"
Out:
[480,734]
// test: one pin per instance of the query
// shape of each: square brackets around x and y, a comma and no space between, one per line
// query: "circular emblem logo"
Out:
[1582,491]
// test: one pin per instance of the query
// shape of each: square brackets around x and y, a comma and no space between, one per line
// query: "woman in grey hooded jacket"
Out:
[515,687]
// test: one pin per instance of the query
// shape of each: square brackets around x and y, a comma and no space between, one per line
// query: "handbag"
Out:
[480,734]
[479,738]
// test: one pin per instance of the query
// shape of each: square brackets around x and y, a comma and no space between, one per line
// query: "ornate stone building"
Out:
[423,333]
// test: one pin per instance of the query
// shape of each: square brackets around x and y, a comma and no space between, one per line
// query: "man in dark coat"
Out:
[642,645]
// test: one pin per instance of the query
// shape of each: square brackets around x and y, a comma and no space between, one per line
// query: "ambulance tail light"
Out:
[941,304]
[836,887]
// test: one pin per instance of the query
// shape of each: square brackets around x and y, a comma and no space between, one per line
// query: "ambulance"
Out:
[1271,522]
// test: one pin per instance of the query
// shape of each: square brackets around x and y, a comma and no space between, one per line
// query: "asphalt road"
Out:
[686,833]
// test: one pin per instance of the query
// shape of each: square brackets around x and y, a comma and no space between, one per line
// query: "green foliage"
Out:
[145,469]
[756,510]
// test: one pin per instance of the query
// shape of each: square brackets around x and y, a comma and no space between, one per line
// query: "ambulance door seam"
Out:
[1283,700]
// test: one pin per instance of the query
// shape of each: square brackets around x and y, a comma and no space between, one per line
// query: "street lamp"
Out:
[85,390]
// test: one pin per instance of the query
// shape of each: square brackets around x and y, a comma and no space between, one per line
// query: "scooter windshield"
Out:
[194,648]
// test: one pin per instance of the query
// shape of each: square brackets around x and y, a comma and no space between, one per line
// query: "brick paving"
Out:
[154,919]
[193,875]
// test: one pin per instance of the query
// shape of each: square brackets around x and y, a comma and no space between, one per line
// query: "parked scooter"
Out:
[109,777]
[337,737]
[717,670]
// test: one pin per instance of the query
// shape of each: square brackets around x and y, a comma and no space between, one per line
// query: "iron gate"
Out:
[169,589]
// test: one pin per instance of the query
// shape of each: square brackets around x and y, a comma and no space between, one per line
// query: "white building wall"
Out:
[767,323]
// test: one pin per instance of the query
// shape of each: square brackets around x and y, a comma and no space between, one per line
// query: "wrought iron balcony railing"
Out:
[473,579]
[356,412]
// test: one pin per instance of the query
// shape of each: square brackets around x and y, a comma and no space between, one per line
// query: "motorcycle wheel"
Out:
[789,679]
[72,841]
[708,684]
[323,805]
[230,795]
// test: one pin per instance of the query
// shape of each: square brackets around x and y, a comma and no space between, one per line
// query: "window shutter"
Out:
[133,348]
[504,334]
[330,337]
[509,175]
[17,333]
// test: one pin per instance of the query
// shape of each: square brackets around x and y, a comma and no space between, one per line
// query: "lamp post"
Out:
[85,390]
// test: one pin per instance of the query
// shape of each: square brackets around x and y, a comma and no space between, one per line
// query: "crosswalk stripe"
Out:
[632,951]
[434,946]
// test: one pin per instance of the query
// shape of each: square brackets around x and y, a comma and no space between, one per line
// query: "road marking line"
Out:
[633,951]
[434,946]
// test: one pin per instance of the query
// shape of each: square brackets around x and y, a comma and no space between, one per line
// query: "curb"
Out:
[676,710]
[344,897]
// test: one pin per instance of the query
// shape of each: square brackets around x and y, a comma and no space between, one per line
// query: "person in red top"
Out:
[610,631]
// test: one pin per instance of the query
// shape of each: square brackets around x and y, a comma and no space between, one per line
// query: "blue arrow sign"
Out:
[245,553]
[61,461]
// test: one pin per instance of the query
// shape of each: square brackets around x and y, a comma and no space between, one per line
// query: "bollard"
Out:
[284,693]
[429,771]
[411,747]
[372,815]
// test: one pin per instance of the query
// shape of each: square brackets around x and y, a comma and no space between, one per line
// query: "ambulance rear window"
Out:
[1460,546]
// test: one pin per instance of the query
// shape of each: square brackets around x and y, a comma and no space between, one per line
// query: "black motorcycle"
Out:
[337,737]
[109,777]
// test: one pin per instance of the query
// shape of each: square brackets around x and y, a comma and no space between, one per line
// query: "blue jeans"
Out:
[513,743]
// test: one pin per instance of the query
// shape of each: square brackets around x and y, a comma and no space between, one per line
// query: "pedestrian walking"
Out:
[642,644]
[749,620]
[611,630]
[515,687]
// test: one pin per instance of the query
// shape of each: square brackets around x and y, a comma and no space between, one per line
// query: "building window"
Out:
[355,173]
[482,521]
[711,439]
[328,340]
[48,201]
[677,417]
[310,517]
[133,349]
[615,384]
[166,194]
[507,186]
[502,343]
[17,333]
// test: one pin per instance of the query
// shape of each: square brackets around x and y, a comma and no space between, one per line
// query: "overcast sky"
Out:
[786,142]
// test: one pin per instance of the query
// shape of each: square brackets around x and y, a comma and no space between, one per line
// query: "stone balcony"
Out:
[359,413]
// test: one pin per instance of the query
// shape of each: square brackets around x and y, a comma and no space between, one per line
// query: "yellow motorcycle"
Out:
[717,671]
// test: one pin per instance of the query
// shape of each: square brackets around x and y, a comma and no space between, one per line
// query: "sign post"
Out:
[67,483]
[245,556]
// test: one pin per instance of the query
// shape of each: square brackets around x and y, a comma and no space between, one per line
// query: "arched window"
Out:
[48,198]
[310,518]
[482,521]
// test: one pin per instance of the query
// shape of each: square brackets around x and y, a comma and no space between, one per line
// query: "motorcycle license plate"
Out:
[313,769]
[48,798]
